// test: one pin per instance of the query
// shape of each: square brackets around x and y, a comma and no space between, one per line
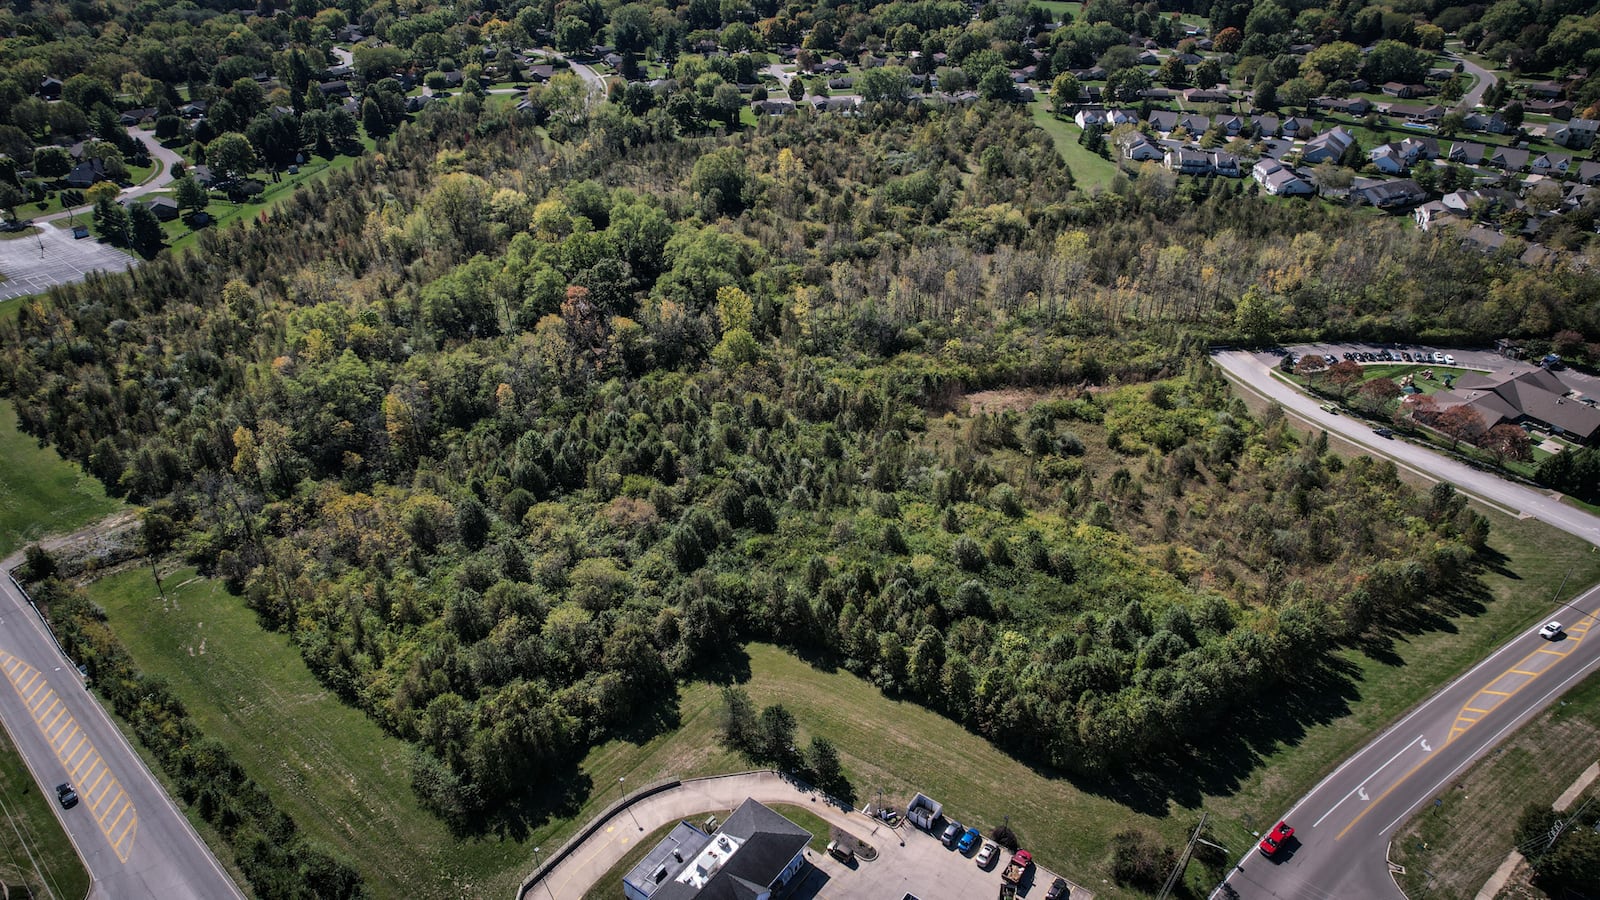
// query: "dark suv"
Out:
[67,796]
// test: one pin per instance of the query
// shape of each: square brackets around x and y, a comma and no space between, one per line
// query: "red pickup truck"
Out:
[1020,861]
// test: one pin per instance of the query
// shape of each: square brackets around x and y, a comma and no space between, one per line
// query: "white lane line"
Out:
[1365,780]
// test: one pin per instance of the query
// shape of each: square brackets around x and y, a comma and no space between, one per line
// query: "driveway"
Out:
[909,860]
[35,263]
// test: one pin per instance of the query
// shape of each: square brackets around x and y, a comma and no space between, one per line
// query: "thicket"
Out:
[1575,472]
[1563,850]
[510,436]
[275,858]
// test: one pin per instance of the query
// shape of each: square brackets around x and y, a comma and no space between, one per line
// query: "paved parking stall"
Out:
[32,264]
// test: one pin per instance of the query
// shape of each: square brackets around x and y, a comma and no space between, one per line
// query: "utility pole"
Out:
[1183,860]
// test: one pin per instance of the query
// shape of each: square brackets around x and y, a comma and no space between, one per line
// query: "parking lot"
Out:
[34,263]
[924,868]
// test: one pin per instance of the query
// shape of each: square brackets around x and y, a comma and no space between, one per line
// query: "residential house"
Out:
[1105,118]
[1434,213]
[1413,112]
[164,208]
[1482,238]
[1188,161]
[1575,134]
[1418,149]
[1358,85]
[753,856]
[86,174]
[1550,164]
[1589,172]
[194,109]
[540,73]
[1204,95]
[50,88]
[1280,180]
[1471,203]
[772,107]
[1224,164]
[836,104]
[1406,91]
[1535,397]
[1266,125]
[1555,109]
[1330,145]
[415,104]
[1230,125]
[1093,73]
[1157,95]
[1137,147]
[133,117]
[340,72]
[1465,153]
[1391,194]
[202,175]
[1491,123]
[1149,58]
[1295,126]
[1508,158]
[1354,106]
[1387,159]
[1163,120]
[1544,90]
[334,88]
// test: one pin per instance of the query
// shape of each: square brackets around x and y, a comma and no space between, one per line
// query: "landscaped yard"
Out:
[40,493]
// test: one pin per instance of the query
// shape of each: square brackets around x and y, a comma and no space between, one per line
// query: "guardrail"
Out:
[11,574]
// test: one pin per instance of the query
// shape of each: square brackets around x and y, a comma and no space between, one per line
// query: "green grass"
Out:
[40,493]
[1060,8]
[1452,849]
[19,234]
[180,236]
[1088,170]
[36,851]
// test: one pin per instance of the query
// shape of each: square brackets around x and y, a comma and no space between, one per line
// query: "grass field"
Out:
[1451,850]
[34,850]
[1088,170]
[39,492]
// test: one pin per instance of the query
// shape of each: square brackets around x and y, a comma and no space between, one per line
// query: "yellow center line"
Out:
[76,753]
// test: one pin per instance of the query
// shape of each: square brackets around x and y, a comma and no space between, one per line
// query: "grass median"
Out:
[34,850]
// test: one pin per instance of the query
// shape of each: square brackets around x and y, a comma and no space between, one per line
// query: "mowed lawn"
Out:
[345,781]
[34,851]
[1088,170]
[40,493]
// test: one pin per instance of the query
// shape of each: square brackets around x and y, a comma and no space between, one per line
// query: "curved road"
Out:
[1344,825]
[159,180]
[133,840]
[1474,97]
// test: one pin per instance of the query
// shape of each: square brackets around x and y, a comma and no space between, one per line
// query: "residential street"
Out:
[1344,825]
[1474,97]
[133,840]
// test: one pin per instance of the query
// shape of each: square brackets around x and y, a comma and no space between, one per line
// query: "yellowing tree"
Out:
[734,308]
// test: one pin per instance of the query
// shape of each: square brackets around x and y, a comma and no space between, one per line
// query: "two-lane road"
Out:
[133,840]
[1344,825]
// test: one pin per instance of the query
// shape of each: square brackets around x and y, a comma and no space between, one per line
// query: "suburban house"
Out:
[1412,112]
[1577,134]
[1406,91]
[1138,148]
[1589,172]
[1266,125]
[1355,106]
[753,856]
[1493,123]
[1294,126]
[1223,163]
[1329,145]
[1413,149]
[50,88]
[1555,109]
[1105,118]
[1230,125]
[1466,153]
[134,116]
[1485,200]
[334,88]
[164,208]
[1509,158]
[1280,180]
[1550,164]
[1390,194]
[1433,213]
[1547,90]
[773,107]
[1537,398]
[1387,159]
[86,174]
[1204,95]
[1188,161]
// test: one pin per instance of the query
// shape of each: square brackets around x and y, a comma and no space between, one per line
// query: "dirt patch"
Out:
[1004,399]
[97,547]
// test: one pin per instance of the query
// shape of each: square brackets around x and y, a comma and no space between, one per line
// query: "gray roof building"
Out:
[1536,396]
[755,853]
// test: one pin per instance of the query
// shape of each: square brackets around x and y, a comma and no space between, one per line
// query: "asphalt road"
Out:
[1474,97]
[132,839]
[1344,825]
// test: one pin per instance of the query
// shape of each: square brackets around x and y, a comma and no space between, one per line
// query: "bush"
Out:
[1140,860]
[1005,837]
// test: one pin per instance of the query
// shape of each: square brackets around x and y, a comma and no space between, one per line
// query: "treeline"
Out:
[275,858]
[1575,472]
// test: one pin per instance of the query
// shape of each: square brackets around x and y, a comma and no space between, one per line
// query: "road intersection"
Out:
[1344,825]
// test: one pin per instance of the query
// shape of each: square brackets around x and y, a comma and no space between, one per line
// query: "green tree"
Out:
[51,162]
[144,230]
[190,195]
[111,221]
[1254,316]
[231,155]
[1064,93]
[719,178]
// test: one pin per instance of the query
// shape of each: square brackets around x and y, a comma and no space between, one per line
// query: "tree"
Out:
[11,197]
[1228,40]
[1064,92]
[1208,74]
[1128,84]
[719,179]
[144,230]
[1339,60]
[1506,441]
[1459,423]
[1344,375]
[822,758]
[231,155]
[774,737]
[1378,392]
[51,162]
[111,221]
[1254,316]
[797,89]
[884,83]
[190,195]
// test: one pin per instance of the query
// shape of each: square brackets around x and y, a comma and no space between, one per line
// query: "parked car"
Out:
[969,840]
[986,856]
[1383,432]
[67,796]
[1274,841]
[1405,355]
[1550,631]
[1329,358]
[1330,409]
[1449,360]
[1059,890]
[952,833]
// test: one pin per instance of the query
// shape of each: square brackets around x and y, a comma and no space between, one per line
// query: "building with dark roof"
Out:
[752,856]
[1535,397]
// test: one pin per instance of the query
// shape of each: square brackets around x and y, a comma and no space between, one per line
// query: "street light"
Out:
[630,806]
[539,864]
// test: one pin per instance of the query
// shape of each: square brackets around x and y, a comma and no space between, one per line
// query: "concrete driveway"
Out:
[909,861]
[35,263]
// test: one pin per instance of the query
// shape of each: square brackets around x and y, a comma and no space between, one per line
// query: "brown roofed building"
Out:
[1535,397]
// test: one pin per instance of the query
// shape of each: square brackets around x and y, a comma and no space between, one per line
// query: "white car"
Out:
[1449,360]
[1550,631]
[1438,357]
[986,855]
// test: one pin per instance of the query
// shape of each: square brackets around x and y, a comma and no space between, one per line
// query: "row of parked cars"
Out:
[963,840]
[1421,356]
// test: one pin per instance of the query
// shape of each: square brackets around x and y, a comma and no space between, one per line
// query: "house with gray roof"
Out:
[1536,397]
[1330,144]
[1509,158]
[753,856]
[1279,180]
[1576,134]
